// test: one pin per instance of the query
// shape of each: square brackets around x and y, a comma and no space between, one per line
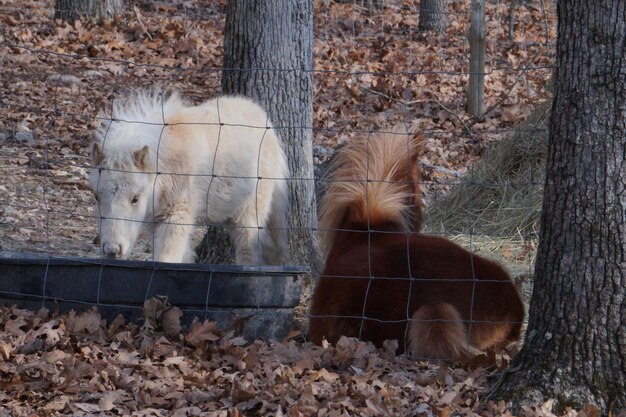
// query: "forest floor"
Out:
[373,70]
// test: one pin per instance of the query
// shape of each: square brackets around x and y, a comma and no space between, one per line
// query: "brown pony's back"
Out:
[383,281]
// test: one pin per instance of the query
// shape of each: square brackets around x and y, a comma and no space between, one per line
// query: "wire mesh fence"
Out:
[373,70]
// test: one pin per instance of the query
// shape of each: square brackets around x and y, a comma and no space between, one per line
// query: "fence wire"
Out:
[58,77]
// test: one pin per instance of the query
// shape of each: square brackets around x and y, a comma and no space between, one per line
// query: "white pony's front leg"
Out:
[172,238]
[245,234]
[247,245]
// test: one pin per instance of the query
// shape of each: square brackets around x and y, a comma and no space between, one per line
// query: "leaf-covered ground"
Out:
[372,70]
[78,365]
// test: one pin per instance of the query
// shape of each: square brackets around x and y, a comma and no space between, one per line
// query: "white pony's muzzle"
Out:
[112,250]
[117,237]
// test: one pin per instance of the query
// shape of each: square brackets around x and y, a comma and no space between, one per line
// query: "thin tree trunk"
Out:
[268,56]
[432,15]
[575,348]
[96,10]
[512,9]
[478,45]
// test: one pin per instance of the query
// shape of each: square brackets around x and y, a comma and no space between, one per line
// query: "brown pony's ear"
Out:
[141,157]
[97,154]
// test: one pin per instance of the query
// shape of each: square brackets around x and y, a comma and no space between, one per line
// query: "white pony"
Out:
[169,166]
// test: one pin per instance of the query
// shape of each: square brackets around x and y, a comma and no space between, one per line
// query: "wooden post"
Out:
[477,40]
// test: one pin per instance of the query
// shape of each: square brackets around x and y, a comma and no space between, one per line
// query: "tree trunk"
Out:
[97,10]
[477,37]
[268,56]
[575,348]
[432,15]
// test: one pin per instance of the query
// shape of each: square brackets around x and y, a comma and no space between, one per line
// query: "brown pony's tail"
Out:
[374,186]
[437,332]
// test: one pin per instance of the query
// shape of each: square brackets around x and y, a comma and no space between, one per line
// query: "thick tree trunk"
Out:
[432,15]
[575,348]
[96,10]
[268,56]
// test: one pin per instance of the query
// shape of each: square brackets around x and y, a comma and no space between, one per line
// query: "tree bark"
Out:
[268,56]
[432,16]
[575,348]
[96,10]
[477,37]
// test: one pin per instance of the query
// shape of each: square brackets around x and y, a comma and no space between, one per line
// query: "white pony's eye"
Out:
[134,200]
[96,196]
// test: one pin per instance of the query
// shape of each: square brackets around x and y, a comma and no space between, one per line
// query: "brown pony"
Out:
[382,280]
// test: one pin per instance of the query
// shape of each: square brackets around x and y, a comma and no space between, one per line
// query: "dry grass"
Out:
[502,193]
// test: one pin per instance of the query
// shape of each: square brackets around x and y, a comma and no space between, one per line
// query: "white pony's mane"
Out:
[137,120]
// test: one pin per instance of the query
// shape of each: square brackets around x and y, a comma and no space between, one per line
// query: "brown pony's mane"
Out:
[379,173]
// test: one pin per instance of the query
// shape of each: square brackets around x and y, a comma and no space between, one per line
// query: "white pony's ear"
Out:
[141,157]
[97,154]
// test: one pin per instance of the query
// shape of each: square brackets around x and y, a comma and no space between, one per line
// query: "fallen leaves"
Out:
[205,371]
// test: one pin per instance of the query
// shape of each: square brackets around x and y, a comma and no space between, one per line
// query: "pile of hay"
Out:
[501,196]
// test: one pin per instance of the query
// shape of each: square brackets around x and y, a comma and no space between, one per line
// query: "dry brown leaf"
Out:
[390,347]
[234,412]
[116,323]
[590,410]
[201,333]
[152,309]
[448,397]
[444,412]
[109,399]
[87,323]
[324,375]
[54,356]
[57,404]
[171,321]
[87,407]
[16,326]
[5,349]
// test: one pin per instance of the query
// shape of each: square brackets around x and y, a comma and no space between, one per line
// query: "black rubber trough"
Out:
[266,295]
